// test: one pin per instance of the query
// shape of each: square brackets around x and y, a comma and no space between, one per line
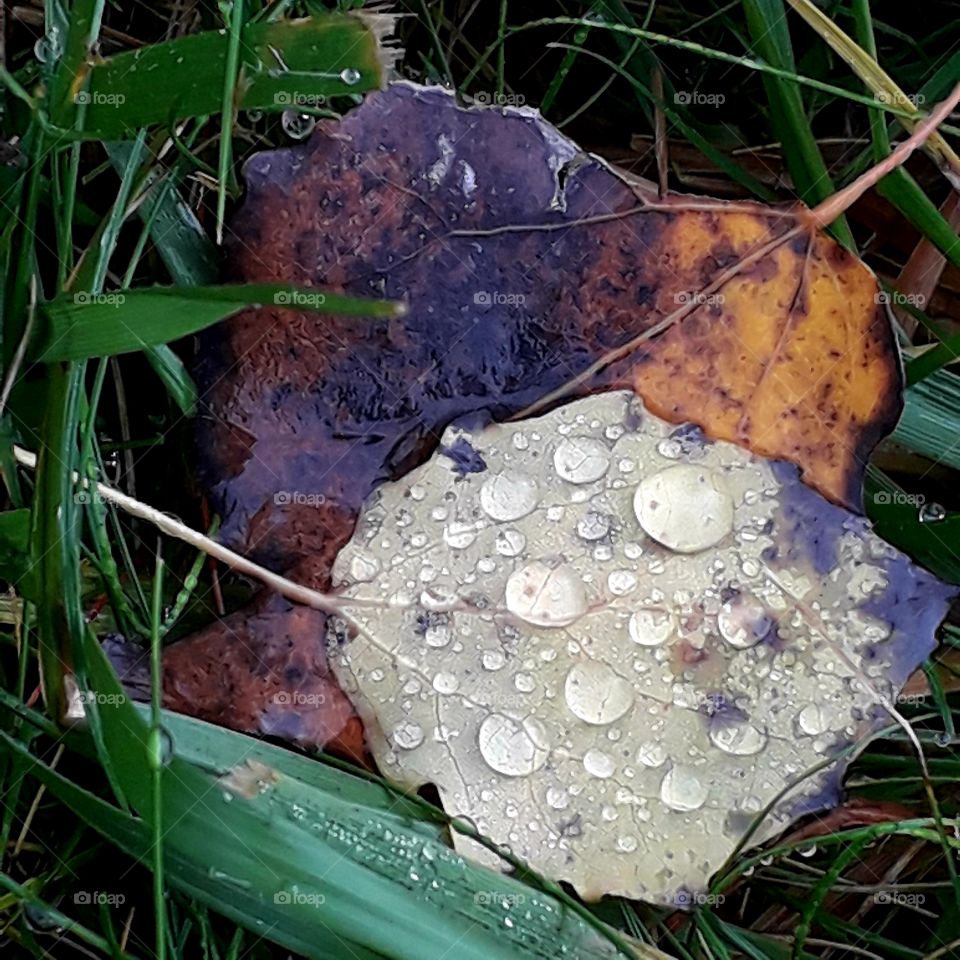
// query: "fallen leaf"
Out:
[532,270]
[619,643]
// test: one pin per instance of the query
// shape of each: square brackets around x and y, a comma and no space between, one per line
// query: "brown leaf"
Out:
[532,271]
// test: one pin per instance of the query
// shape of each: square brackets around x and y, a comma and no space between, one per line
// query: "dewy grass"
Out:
[124,130]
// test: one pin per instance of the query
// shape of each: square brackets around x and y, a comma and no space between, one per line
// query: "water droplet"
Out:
[408,735]
[651,754]
[686,508]
[510,543]
[932,513]
[743,621]
[445,682]
[581,459]
[813,720]
[557,797]
[740,738]
[546,596]
[350,76]
[458,535]
[508,495]
[593,526]
[524,682]
[621,582]
[651,626]
[681,789]
[626,844]
[511,747]
[296,125]
[437,635]
[364,569]
[493,660]
[599,764]
[596,694]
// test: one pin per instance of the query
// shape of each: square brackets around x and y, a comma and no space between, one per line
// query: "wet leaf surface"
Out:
[615,646]
[531,271]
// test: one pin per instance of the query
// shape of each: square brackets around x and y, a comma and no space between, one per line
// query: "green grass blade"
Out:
[84,325]
[767,22]
[281,64]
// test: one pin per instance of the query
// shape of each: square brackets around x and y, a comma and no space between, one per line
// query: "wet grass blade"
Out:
[334,853]
[84,325]
[280,64]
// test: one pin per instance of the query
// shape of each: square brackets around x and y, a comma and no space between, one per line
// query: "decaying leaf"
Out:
[532,270]
[612,642]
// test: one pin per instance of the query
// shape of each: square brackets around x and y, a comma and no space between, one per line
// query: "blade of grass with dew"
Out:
[930,421]
[770,35]
[280,63]
[94,325]
[417,897]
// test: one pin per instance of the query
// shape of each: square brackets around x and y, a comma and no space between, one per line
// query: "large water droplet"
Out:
[740,738]
[350,76]
[593,525]
[557,797]
[596,694]
[686,508]
[581,459]
[599,764]
[493,660]
[651,754]
[508,496]
[743,621]
[408,735]
[546,596]
[651,626]
[510,543]
[297,125]
[682,789]
[813,720]
[363,568]
[459,535]
[512,747]
[445,682]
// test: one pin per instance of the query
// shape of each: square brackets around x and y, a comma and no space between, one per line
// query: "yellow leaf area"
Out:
[787,351]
